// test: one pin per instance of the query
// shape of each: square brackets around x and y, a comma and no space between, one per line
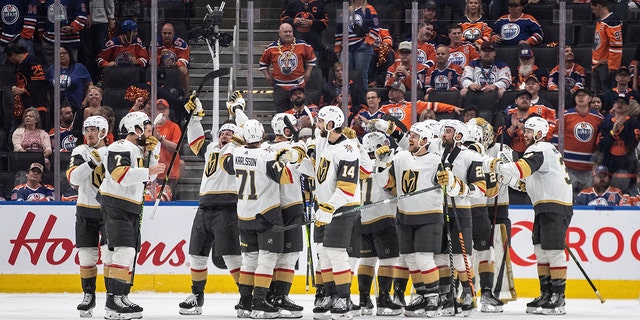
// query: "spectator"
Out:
[574,74]
[383,58]
[617,140]
[596,104]
[516,28]
[30,88]
[518,114]
[74,79]
[168,134]
[129,9]
[332,88]
[286,63]
[309,19]
[429,15]
[527,68]
[461,52]
[18,27]
[67,140]
[426,47]
[606,57]
[173,51]
[601,193]
[486,74]
[29,136]
[635,76]
[363,32]
[125,49]
[443,76]
[92,101]
[95,34]
[427,115]
[400,71]
[300,109]
[372,111]
[33,189]
[623,79]
[532,84]
[75,19]
[401,109]
[470,112]
[475,26]
[580,134]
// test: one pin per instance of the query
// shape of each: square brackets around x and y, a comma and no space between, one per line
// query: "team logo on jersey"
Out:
[409,181]
[288,62]
[65,82]
[97,176]
[397,112]
[168,57]
[52,13]
[422,57]
[596,41]
[458,58]
[487,78]
[36,197]
[583,131]
[323,169]
[441,82]
[140,162]
[68,142]
[212,164]
[10,14]
[510,31]
[570,83]
[124,59]
[471,34]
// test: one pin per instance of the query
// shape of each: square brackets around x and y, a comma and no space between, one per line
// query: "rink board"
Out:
[37,252]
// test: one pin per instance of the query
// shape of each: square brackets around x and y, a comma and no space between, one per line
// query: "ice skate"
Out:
[535,306]
[489,303]
[341,309]
[318,297]
[137,310]
[243,308]
[467,305]
[386,307]
[288,308]
[116,309]
[261,309]
[192,305]
[423,306]
[446,304]
[554,305]
[323,310]
[366,305]
[86,306]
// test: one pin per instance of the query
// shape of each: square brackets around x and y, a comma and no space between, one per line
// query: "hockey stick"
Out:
[503,264]
[454,287]
[279,228]
[584,273]
[208,77]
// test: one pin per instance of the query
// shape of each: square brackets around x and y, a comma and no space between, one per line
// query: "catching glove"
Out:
[236,101]
[151,143]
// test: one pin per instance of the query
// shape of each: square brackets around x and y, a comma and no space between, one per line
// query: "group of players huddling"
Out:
[434,189]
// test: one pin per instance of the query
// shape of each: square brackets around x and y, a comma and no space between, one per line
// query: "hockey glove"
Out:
[241,118]
[383,156]
[151,143]
[194,107]
[323,217]
[453,186]
[349,133]
[236,102]
[385,126]
[491,164]
[289,155]
[94,159]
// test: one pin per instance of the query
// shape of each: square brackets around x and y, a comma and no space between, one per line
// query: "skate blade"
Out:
[322,316]
[243,313]
[355,313]
[366,311]
[447,312]
[491,309]
[389,312]
[257,314]
[112,315]
[534,310]
[86,313]
[342,316]
[554,311]
[195,311]
[288,314]
[467,313]
[136,315]
[415,313]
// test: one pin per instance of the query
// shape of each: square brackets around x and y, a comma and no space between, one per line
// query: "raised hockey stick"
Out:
[208,77]
[280,228]
[584,273]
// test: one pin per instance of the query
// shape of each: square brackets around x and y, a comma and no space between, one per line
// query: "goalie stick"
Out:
[207,77]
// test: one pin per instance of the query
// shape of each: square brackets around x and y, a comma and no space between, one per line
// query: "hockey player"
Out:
[86,162]
[419,218]
[257,182]
[547,183]
[466,166]
[337,190]
[216,221]
[121,195]
[379,237]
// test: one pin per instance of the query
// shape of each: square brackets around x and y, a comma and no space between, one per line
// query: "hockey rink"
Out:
[220,306]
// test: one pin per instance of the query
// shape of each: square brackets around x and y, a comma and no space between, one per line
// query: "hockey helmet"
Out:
[458,128]
[474,132]
[99,122]
[488,135]
[277,123]
[128,26]
[331,113]
[434,125]
[374,140]
[422,130]
[537,124]
[253,131]
[133,120]
[229,127]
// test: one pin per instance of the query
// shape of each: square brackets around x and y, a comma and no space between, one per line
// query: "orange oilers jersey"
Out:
[382,37]
[478,31]
[288,63]
[463,54]
[607,43]
[402,110]
[421,73]
[580,135]
[178,51]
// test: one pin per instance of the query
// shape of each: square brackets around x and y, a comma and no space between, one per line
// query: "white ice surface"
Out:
[220,306]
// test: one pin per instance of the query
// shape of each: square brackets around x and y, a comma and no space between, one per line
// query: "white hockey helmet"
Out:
[99,122]
[459,128]
[133,120]
[229,127]
[422,130]
[374,140]
[253,131]
[434,125]
[331,113]
[474,132]
[277,123]
[537,124]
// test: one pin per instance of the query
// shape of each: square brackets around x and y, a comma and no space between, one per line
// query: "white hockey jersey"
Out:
[503,190]
[290,194]
[372,186]
[467,166]
[87,179]
[125,174]
[337,174]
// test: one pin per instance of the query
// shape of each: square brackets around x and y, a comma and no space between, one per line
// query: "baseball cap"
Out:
[404,45]
[526,53]
[162,103]
[524,92]
[600,169]
[294,89]
[623,96]
[585,90]
[532,77]
[36,165]
[624,70]
[398,86]
[430,4]
[487,46]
